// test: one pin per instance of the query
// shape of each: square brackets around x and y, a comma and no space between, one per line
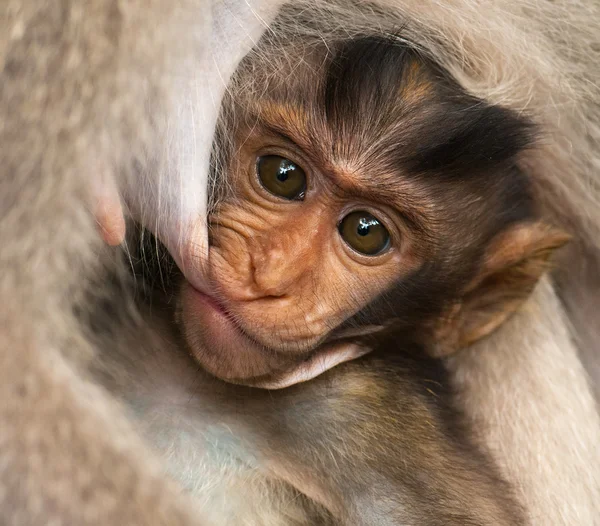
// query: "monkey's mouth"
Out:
[224,349]
[208,302]
[218,342]
[215,304]
[221,309]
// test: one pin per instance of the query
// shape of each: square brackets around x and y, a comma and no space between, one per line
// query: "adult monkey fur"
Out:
[78,83]
[484,46]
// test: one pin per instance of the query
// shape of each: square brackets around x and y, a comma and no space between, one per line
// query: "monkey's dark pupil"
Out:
[363,228]
[282,176]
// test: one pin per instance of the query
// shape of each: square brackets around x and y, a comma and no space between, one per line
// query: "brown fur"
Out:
[371,442]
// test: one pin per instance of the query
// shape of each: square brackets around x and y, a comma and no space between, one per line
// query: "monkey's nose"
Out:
[275,272]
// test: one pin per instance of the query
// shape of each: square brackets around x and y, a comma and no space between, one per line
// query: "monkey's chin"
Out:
[222,348]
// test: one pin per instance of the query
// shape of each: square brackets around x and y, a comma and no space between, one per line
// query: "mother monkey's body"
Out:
[515,386]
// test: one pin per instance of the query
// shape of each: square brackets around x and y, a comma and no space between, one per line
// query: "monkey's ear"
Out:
[512,266]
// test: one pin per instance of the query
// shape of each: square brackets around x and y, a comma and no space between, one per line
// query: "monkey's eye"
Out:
[364,233]
[281,177]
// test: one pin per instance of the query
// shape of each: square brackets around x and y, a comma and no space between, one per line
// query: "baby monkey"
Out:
[365,191]
[369,206]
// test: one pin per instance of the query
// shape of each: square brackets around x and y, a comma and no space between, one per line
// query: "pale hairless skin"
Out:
[172,205]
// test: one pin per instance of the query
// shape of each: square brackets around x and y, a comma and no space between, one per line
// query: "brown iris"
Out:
[364,233]
[281,177]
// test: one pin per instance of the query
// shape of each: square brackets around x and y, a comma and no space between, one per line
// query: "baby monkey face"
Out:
[296,249]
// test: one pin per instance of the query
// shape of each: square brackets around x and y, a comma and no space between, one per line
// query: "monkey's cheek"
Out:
[216,342]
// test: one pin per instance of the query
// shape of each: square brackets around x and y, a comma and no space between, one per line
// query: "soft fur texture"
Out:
[77,85]
[75,88]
